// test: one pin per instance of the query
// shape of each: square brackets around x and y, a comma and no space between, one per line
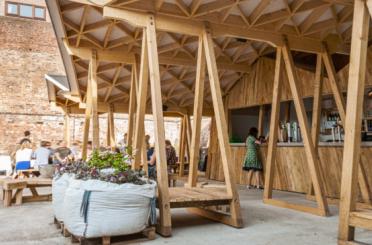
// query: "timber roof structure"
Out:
[243,31]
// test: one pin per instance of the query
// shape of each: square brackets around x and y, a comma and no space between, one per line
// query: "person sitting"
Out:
[43,160]
[42,155]
[171,155]
[76,150]
[171,158]
[23,155]
[62,153]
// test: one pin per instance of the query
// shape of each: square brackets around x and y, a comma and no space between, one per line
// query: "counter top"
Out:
[300,144]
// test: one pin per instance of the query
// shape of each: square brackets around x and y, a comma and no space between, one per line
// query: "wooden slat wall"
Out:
[256,87]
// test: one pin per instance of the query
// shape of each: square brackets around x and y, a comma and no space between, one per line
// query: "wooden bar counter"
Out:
[291,171]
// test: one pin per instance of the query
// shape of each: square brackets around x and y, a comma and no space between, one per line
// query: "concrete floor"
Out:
[32,223]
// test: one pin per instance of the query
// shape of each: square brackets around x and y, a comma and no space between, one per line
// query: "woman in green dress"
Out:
[252,163]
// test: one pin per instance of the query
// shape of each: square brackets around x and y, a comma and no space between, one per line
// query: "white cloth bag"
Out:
[113,209]
[59,187]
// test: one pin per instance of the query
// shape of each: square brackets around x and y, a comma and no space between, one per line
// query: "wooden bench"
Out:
[18,185]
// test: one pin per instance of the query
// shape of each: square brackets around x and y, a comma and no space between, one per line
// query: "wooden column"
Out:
[222,135]
[188,134]
[112,127]
[144,156]
[335,87]
[261,116]
[67,128]
[340,103]
[197,119]
[108,136]
[164,227]
[354,110]
[274,122]
[94,87]
[141,103]
[313,160]
[132,105]
[88,113]
[317,103]
[317,107]
[182,147]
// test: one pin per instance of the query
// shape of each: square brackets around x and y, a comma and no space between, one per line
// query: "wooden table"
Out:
[17,186]
[28,173]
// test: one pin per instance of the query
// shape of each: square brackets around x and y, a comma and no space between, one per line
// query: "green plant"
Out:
[118,161]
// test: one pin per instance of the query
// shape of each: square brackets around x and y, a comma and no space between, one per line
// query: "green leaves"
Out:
[118,161]
[94,168]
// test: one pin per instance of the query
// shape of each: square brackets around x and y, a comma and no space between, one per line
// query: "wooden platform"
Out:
[181,197]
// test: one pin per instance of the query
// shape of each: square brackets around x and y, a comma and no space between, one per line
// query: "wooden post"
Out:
[274,122]
[108,136]
[340,103]
[141,103]
[188,133]
[221,124]
[164,227]
[132,105]
[112,127]
[335,87]
[67,129]
[88,112]
[94,87]
[317,108]
[351,156]
[182,147]
[312,159]
[144,156]
[261,116]
[197,119]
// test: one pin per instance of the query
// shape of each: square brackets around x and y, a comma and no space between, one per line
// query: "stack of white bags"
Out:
[111,209]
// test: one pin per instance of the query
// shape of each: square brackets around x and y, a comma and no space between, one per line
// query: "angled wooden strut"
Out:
[341,105]
[313,161]
[89,104]
[132,106]
[94,93]
[182,148]
[111,128]
[141,103]
[349,216]
[274,122]
[317,108]
[197,120]
[164,226]
[235,218]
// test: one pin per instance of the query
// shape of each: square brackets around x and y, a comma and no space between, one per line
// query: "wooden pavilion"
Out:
[112,48]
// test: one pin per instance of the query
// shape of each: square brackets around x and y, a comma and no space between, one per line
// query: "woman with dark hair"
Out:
[252,163]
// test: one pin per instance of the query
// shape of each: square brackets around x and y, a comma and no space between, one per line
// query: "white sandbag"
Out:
[113,209]
[59,187]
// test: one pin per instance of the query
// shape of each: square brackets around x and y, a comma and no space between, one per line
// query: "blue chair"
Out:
[23,165]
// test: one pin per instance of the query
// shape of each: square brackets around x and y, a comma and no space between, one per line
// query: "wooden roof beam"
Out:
[102,55]
[121,56]
[195,28]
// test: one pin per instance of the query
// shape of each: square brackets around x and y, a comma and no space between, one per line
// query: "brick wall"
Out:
[28,51]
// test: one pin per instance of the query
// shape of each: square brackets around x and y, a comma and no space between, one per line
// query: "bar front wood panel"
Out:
[291,172]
